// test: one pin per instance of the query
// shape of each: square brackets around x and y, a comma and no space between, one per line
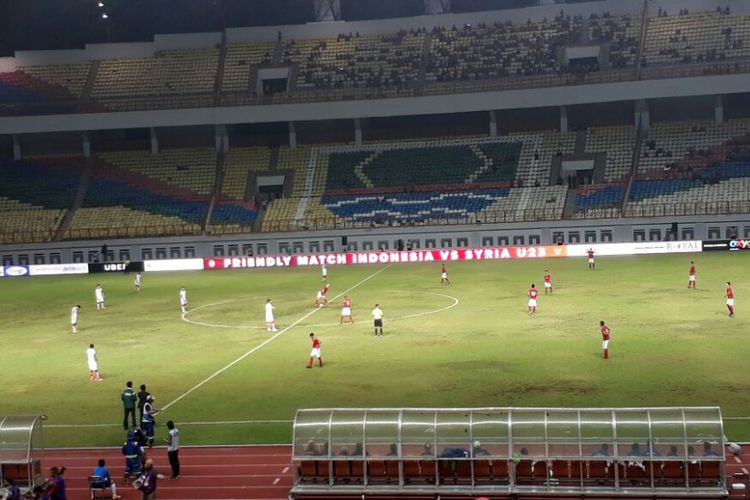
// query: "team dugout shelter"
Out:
[582,452]
[21,448]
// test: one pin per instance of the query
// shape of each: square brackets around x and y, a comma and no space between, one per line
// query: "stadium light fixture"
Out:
[100,4]
[105,16]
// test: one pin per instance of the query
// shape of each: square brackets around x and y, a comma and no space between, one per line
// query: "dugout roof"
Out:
[20,439]
[675,433]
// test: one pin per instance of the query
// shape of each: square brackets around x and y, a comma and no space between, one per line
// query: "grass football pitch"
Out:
[470,343]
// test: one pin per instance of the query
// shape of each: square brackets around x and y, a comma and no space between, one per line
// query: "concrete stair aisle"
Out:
[570,204]
[83,186]
[216,195]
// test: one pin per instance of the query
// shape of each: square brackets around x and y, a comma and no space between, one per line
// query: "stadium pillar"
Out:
[327,10]
[292,136]
[493,124]
[16,148]
[719,109]
[563,119]
[642,118]
[86,145]
[221,138]
[357,132]
[154,141]
[437,6]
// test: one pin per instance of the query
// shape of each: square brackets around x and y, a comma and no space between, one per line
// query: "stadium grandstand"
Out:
[204,136]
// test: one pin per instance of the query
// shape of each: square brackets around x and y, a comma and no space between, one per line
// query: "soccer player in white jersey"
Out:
[137,282]
[270,323]
[74,318]
[183,299]
[93,364]
[99,294]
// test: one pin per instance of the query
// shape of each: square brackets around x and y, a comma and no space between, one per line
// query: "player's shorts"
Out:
[443,276]
[730,302]
[605,344]
[93,367]
[532,302]
[320,296]
[591,260]
[73,321]
[346,311]
[315,353]
[378,323]
[691,278]
[269,318]
[183,303]
[547,284]
[100,301]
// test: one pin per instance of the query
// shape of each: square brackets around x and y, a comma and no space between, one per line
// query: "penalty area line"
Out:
[265,343]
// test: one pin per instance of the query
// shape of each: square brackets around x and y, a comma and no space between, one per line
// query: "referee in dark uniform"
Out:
[142,397]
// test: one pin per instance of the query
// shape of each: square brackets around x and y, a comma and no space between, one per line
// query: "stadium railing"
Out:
[126,231]
[676,209]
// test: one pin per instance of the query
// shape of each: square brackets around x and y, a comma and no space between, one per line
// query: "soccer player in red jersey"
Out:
[605,339]
[320,299]
[315,353]
[547,282]
[346,311]
[730,299]
[533,293]
[592,264]
[691,275]
[444,276]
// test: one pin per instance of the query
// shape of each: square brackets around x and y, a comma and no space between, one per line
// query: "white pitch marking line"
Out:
[225,422]
[319,325]
[265,342]
[286,469]
[276,481]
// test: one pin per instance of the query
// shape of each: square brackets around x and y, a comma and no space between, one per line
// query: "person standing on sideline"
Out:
[547,282]
[691,275]
[147,481]
[57,488]
[129,399]
[605,339]
[74,318]
[137,282]
[173,449]
[444,275]
[142,397]
[183,300]
[99,295]
[148,422]
[93,363]
[105,479]
[324,271]
[730,299]
[315,353]
[270,323]
[377,316]
[592,264]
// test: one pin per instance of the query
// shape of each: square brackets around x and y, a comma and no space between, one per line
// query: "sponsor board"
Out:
[173,265]
[386,257]
[15,271]
[115,267]
[722,245]
[57,269]
[641,248]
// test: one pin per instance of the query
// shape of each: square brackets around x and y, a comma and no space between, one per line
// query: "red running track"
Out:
[222,473]
[238,473]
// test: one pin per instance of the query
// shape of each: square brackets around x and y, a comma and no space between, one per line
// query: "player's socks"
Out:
[311,362]
[320,362]
[606,353]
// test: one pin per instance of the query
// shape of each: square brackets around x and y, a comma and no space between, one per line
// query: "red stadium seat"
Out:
[672,474]
[711,473]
